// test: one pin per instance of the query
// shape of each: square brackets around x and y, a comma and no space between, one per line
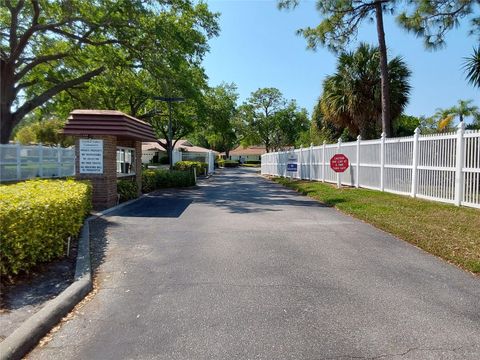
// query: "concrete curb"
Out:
[27,336]
[24,338]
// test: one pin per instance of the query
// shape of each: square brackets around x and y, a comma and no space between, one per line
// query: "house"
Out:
[188,150]
[250,153]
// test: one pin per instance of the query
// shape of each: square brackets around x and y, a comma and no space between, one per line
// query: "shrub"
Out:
[164,160]
[154,159]
[127,189]
[187,165]
[220,162]
[158,179]
[36,218]
[253,162]
[230,163]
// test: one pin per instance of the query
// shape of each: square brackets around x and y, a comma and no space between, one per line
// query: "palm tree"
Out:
[352,96]
[472,67]
[464,109]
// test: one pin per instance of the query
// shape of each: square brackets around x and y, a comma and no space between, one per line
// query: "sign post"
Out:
[339,163]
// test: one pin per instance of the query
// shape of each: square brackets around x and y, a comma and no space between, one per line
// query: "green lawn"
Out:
[450,232]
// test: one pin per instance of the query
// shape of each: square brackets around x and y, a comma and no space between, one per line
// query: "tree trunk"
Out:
[7,119]
[386,120]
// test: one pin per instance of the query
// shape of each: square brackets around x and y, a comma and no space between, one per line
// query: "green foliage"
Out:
[158,179]
[120,52]
[255,162]
[432,20]
[472,67]
[201,167]
[352,96]
[36,218]
[127,189]
[218,113]
[47,132]
[230,163]
[270,120]
[405,125]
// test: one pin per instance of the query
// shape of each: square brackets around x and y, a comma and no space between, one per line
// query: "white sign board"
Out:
[91,156]
[292,163]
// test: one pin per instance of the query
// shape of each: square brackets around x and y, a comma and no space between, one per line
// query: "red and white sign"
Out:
[339,163]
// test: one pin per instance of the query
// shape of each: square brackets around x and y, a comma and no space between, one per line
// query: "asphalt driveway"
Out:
[241,268]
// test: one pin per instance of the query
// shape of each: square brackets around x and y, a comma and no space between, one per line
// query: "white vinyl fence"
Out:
[20,162]
[206,157]
[440,167]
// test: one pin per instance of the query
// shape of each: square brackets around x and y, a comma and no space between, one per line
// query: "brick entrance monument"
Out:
[108,147]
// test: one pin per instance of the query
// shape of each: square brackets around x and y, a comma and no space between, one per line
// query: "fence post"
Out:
[416,135]
[339,174]
[59,160]
[310,167]
[18,149]
[382,162]
[459,164]
[357,175]
[300,159]
[323,160]
[40,160]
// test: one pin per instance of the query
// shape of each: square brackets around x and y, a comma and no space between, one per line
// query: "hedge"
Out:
[36,218]
[230,163]
[158,179]
[253,162]
[127,189]
[187,165]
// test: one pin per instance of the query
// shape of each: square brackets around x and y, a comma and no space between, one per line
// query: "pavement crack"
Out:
[402,354]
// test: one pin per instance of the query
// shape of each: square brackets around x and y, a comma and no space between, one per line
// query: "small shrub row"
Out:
[127,189]
[229,163]
[36,219]
[253,162]
[158,179]
[201,167]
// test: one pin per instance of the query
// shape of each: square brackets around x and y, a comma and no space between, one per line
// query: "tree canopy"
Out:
[271,120]
[47,47]
[351,97]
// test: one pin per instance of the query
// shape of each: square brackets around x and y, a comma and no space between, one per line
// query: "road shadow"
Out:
[243,191]
[156,205]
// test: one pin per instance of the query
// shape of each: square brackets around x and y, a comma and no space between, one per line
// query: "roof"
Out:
[107,122]
[250,150]
[181,145]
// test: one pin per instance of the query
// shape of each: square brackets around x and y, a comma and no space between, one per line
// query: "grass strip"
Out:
[447,231]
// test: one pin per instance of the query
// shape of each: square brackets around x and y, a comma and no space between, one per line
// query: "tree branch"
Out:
[39,60]
[48,94]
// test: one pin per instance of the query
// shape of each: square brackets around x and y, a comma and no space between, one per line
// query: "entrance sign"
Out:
[91,156]
[292,163]
[292,167]
[339,163]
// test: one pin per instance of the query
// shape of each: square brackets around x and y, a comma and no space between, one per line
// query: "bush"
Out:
[154,159]
[127,189]
[158,179]
[220,162]
[253,162]
[187,165]
[36,218]
[164,160]
[230,163]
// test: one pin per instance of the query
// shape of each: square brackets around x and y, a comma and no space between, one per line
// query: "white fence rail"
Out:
[21,162]
[440,167]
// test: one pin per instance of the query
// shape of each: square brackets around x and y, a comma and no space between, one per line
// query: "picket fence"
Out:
[439,167]
[21,162]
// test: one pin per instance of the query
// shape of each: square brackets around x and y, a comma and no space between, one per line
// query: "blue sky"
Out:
[258,47]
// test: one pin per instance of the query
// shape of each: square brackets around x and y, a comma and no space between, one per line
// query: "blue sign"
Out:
[292,167]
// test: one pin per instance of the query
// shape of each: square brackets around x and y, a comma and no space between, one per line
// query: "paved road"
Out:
[241,268]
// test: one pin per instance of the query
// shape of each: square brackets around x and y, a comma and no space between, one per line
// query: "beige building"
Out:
[243,154]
